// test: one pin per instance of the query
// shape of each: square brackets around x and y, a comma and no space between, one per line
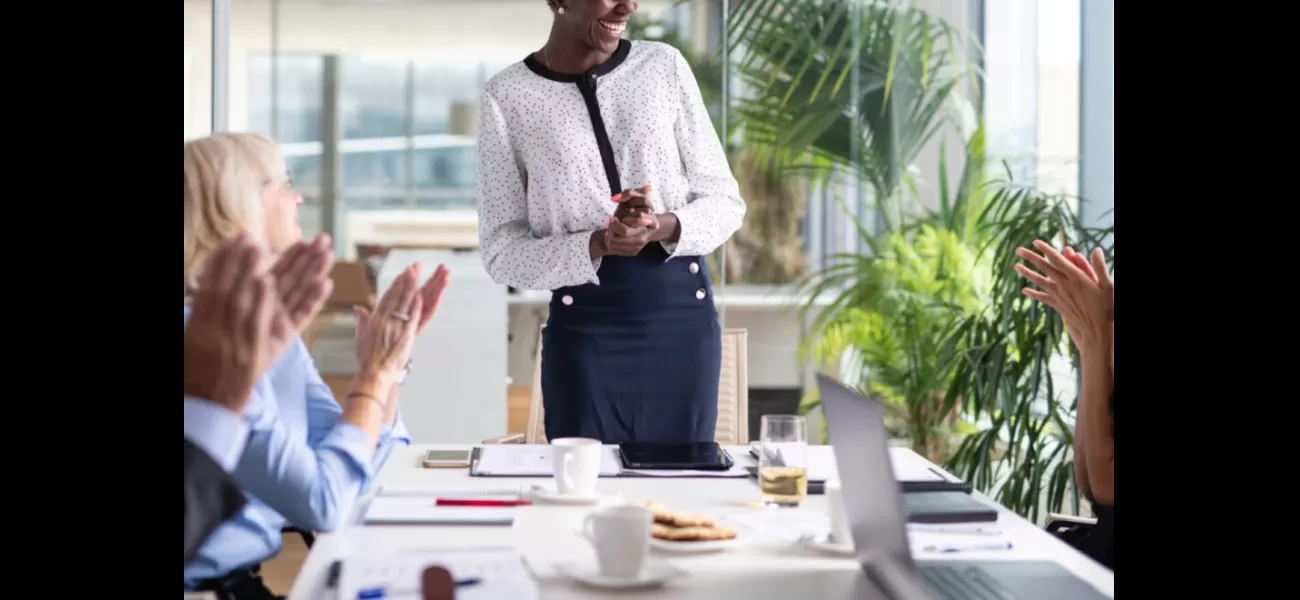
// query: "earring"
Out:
[561,10]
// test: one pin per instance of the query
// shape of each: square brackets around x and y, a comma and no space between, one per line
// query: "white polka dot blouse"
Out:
[553,148]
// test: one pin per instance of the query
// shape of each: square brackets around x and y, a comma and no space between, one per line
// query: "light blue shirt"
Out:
[216,431]
[300,466]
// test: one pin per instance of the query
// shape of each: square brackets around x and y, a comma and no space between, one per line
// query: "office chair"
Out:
[308,537]
[1069,528]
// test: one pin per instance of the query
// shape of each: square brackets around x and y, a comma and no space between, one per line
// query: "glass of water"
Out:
[783,460]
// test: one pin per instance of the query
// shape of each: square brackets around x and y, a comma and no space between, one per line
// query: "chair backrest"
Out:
[536,433]
[351,287]
[733,389]
[733,392]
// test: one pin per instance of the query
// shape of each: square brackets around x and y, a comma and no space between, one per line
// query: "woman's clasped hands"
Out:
[633,225]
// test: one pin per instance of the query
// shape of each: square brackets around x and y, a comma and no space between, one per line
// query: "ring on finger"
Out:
[400,316]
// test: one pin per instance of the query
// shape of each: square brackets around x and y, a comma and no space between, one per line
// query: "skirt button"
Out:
[694,268]
[699,294]
[567,300]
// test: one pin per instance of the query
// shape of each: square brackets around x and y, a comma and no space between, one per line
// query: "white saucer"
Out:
[700,547]
[546,495]
[654,574]
[822,544]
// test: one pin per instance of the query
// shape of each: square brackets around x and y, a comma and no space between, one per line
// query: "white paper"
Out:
[907,466]
[501,571]
[736,471]
[423,510]
[785,525]
[397,489]
[519,460]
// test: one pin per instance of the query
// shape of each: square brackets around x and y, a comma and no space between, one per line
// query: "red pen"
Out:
[481,503]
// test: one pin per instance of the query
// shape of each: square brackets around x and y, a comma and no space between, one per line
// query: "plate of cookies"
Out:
[686,532]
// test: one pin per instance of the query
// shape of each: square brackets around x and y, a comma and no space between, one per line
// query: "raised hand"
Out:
[229,338]
[302,279]
[384,338]
[430,295]
[1084,295]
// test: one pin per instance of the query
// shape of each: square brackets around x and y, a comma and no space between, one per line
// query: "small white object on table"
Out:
[765,563]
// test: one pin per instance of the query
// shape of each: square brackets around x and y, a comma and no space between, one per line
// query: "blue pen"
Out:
[376,593]
[968,547]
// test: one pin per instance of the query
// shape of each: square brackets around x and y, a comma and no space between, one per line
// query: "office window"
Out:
[288,107]
[1031,102]
[373,96]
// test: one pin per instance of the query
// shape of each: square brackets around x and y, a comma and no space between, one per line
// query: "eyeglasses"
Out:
[287,184]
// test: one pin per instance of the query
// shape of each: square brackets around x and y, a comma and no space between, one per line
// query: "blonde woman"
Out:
[307,459]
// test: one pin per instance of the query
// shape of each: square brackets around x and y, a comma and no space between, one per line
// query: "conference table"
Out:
[767,562]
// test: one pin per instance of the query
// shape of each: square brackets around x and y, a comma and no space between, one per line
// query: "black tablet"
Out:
[651,456]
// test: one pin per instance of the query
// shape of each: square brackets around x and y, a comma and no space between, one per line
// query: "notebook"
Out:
[422,510]
[947,507]
[501,574]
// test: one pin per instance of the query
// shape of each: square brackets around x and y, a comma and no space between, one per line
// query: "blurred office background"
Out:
[374,103]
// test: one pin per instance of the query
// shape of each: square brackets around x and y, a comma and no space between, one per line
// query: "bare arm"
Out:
[1092,438]
[1081,456]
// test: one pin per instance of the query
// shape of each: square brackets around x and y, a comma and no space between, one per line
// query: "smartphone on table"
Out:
[446,459]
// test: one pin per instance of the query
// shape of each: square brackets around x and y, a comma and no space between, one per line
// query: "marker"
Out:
[482,503]
[949,548]
[954,529]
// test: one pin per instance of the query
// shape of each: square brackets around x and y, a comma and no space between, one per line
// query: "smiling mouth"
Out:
[613,26]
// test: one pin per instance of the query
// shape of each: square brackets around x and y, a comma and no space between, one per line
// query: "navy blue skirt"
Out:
[636,358]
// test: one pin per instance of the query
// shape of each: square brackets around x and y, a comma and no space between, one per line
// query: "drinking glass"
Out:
[783,460]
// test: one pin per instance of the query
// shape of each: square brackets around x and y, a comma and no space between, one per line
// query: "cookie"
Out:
[693,534]
[688,520]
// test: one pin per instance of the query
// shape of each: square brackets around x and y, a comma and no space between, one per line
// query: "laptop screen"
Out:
[873,501]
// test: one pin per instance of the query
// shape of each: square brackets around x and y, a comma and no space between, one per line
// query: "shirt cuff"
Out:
[395,431]
[215,430]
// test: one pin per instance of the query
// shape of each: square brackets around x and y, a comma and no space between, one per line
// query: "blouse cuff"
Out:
[580,249]
[686,228]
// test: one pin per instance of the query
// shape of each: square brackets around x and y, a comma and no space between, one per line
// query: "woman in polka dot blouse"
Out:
[601,178]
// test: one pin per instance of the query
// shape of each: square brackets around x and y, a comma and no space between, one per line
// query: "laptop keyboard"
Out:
[964,582]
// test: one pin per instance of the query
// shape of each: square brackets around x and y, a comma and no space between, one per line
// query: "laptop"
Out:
[874,507]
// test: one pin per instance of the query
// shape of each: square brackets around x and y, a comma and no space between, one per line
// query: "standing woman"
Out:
[601,178]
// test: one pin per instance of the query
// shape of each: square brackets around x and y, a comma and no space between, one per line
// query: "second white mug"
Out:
[576,464]
[621,538]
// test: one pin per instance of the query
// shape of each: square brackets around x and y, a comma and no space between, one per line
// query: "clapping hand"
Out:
[633,224]
[1082,293]
[229,338]
[430,294]
[302,279]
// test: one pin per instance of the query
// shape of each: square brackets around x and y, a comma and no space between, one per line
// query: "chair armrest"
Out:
[511,438]
[1054,517]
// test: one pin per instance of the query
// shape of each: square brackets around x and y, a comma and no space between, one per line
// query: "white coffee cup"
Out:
[840,532]
[621,538]
[576,464]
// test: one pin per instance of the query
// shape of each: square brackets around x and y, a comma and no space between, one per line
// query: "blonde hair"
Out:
[225,175]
